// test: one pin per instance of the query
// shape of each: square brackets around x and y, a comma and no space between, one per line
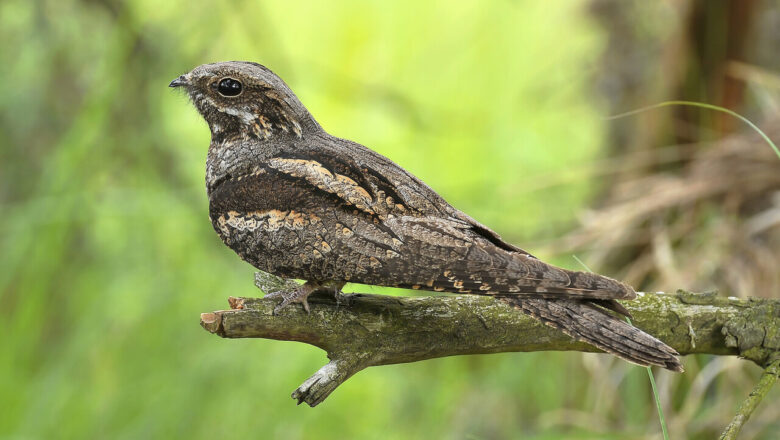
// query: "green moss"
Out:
[756,331]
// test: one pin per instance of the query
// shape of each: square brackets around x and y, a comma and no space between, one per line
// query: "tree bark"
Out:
[360,330]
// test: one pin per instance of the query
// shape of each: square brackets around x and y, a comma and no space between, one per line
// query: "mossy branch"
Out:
[360,330]
[768,378]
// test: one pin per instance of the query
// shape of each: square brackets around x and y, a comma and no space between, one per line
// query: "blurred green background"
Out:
[108,257]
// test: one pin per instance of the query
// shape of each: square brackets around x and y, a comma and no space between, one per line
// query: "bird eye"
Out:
[229,87]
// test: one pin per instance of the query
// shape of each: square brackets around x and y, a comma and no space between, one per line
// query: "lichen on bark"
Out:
[359,330]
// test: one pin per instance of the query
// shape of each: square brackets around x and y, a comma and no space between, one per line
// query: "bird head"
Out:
[238,98]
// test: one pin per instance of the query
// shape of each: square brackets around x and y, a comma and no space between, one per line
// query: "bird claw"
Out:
[296,295]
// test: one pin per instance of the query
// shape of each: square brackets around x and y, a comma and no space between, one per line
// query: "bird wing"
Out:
[389,228]
[457,258]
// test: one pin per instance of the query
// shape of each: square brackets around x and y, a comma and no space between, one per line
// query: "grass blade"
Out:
[701,105]
[661,417]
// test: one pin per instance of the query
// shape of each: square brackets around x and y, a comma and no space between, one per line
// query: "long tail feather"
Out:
[587,322]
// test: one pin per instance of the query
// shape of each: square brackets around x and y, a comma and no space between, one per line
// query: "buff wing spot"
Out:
[267,220]
[319,176]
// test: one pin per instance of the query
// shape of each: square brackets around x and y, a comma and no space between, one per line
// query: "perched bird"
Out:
[296,202]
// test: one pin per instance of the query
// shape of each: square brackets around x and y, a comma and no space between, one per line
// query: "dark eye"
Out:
[229,87]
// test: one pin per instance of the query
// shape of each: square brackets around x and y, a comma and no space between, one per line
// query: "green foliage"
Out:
[108,257]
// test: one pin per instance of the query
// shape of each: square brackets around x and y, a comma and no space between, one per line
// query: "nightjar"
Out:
[296,202]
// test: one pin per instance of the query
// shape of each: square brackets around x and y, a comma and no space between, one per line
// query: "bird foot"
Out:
[294,295]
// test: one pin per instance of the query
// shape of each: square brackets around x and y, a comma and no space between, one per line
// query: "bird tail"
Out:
[585,321]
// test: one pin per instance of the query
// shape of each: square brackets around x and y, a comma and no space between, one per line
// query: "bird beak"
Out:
[180,81]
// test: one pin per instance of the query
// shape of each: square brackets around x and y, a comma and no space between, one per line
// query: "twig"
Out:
[768,378]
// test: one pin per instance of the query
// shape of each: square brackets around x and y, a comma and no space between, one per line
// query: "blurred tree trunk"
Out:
[716,52]
[682,50]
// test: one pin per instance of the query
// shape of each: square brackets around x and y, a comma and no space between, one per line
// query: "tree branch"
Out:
[359,330]
[768,378]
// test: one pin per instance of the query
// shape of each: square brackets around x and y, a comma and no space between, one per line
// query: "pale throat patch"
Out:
[258,125]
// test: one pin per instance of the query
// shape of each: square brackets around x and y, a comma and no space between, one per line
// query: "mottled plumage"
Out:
[294,201]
